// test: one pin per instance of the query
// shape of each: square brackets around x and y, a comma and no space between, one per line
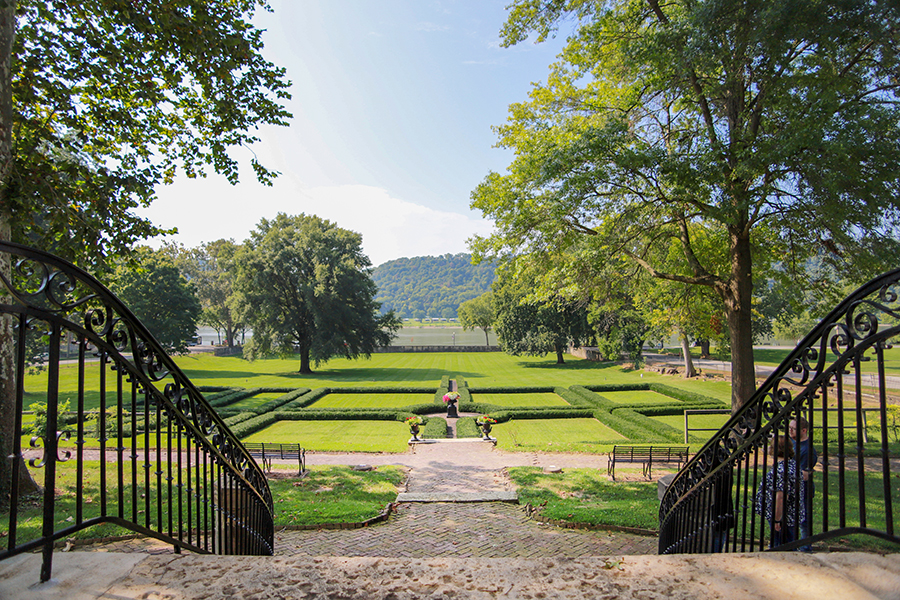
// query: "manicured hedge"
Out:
[291,395]
[306,399]
[349,414]
[618,387]
[513,390]
[646,427]
[593,398]
[684,395]
[435,428]
[541,413]
[238,418]
[461,383]
[232,397]
[466,427]
[251,426]
[659,410]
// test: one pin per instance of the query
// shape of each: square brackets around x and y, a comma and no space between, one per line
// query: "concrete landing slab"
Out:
[778,576]
[451,441]
[76,575]
[458,497]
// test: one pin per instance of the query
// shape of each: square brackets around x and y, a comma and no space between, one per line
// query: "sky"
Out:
[393,104]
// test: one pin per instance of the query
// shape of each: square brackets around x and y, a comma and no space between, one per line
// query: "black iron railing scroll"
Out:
[132,441]
[730,496]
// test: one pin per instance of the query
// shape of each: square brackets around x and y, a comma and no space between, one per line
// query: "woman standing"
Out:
[778,497]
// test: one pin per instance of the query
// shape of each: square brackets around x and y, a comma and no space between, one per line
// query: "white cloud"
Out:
[210,209]
[391,227]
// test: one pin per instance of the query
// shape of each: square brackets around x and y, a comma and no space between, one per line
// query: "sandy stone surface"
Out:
[777,576]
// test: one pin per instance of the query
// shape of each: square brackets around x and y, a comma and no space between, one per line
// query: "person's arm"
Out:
[779,509]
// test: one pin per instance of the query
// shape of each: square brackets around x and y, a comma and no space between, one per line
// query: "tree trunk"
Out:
[7,345]
[559,357]
[688,360]
[737,297]
[704,348]
[305,369]
[487,341]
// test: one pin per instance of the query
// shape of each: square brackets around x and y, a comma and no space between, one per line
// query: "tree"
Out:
[160,297]
[771,120]
[478,312]
[209,268]
[526,325]
[304,283]
[102,101]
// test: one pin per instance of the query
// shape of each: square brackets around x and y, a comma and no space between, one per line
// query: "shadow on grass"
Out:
[578,365]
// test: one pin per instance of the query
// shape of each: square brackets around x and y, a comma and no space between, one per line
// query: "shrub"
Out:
[435,428]
[239,418]
[291,395]
[250,426]
[683,395]
[467,428]
[646,427]
[306,399]
[234,396]
[593,398]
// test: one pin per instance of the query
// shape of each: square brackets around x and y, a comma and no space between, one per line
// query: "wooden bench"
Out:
[646,455]
[267,452]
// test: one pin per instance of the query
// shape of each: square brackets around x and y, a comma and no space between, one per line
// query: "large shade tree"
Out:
[777,116]
[534,326]
[304,285]
[478,312]
[209,268]
[101,101]
[160,296]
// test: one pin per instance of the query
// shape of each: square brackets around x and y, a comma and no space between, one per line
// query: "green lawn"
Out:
[520,400]
[337,436]
[702,421]
[484,369]
[636,397]
[588,496]
[335,494]
[256,400]
[556,435]
[374,401]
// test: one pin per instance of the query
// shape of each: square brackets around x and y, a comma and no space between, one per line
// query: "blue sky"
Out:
[393,103]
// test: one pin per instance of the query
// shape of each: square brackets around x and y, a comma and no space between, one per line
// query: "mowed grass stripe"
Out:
[372,400]
[482,369]
[556,435]
[639,397]
[337,436]
[513,400]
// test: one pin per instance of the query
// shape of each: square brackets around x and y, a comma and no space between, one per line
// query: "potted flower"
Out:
[450,399]
[414,423]
[486,422]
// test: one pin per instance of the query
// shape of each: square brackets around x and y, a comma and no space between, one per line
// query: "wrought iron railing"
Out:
[730,496]
[139,448]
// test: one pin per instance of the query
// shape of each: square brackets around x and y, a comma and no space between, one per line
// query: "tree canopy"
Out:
[771,123]
[478,312]
[209,268]
[110,98]
[303,284]
[526,325]
[160,297]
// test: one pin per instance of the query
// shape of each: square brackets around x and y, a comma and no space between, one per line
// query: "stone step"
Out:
[498,496]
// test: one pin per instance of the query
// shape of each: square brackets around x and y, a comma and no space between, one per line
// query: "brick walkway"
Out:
[446,529]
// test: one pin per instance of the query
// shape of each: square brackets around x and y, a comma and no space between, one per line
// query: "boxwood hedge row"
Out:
[435,428]
[646,427]
[232,397]
[466,427]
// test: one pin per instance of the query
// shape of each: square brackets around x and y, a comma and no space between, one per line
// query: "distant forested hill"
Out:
[430,286]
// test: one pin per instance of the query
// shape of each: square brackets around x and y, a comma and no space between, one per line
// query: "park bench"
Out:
[267,452]
[646,455]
